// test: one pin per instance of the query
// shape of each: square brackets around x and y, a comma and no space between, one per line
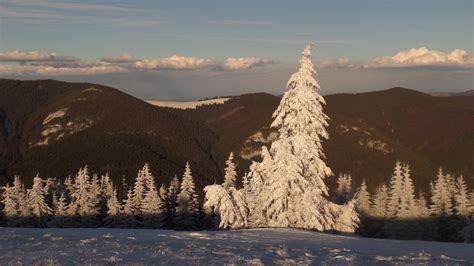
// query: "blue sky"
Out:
[267,35]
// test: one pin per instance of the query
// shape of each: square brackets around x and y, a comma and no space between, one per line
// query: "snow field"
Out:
[247,246]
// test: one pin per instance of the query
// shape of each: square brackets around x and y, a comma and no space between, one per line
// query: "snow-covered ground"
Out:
[253,246]
[186,105]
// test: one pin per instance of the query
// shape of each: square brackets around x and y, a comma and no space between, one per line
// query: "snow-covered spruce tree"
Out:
[96,192]
[113,204]
[292,192]
[152,205]
[379,207]
[228,204]
[10,203]
[407,204]
[50,187]
[107,190]
[363,197]
[60,206]
[21,199]
[114,216]
[69,187]
[422,210]
[344,188]
[441,204]
[37,203]
[106,186]
[395,191]
[82,204]
[127,217]
[230,173]
[462,198]
[163,195]
[187,209]
[139,189]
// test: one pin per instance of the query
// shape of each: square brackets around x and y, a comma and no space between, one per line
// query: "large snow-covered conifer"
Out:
[289,183]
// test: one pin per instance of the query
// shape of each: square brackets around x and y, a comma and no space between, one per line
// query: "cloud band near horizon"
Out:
[42,63]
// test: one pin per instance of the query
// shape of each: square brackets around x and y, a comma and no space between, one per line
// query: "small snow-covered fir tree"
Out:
[379,207]
[96,192]
[127,214]
[152,205]
[462,205]
[396,192]
[36,199]
[106,186]
[128,208]
[21,197]
[82,204]
[422,210]
[113,204]
[230,173]
[288,188]
[441,203]
[363,200]
[139,189]
[407,207]
[60,206]
[69,187]
[10,202]
[229,204]
[187,209]
[344,188]
[163,194]
[171,202]
[50,187]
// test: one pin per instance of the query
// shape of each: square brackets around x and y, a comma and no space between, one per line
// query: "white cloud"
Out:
[415,57]
[242,63]
[34,56]
[49,63]
[174,62]
[424,57]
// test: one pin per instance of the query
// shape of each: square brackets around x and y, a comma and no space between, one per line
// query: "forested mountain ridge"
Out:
[54,128]
[57,127]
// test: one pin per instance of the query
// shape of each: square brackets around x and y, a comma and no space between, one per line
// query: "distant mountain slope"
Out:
[449,94]
[56,127]
[368,132]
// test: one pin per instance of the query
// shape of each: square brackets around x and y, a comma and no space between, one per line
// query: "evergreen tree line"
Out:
[397,211]
[90,201]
